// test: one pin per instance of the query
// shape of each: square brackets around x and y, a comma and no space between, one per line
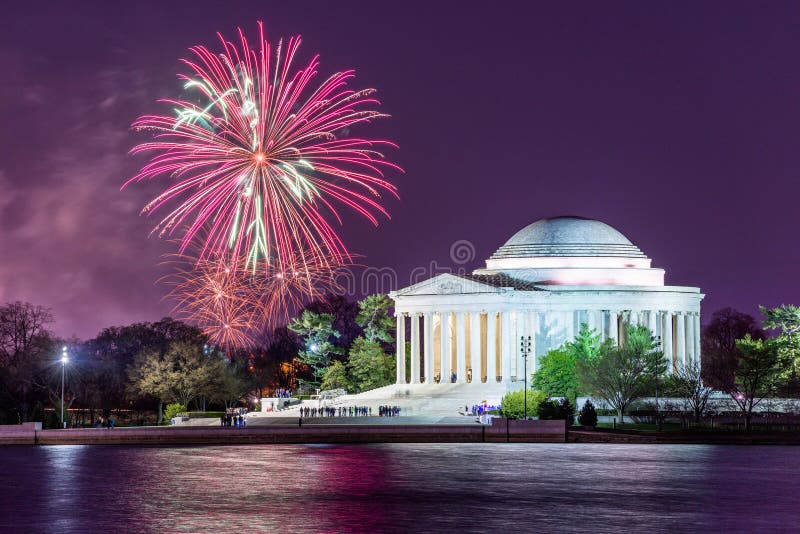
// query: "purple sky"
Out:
[677,124]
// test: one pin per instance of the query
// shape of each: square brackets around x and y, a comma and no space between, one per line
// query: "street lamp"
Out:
[525,350]
[64,361]
[658,413]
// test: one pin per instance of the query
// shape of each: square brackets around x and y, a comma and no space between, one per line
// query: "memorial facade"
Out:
[542,284]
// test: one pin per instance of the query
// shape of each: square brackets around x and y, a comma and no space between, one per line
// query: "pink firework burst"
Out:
[259,158]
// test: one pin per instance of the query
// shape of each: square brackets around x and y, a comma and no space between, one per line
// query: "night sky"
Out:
[678,124]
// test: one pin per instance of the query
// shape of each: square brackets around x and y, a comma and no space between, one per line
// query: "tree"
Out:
[758,366]
[109,355]
[373,317]
[621,375]
[336,377]
[231,381]
[719,353]
[344,314]
[512,404]
[180,375]
[588,414]
[149,375]
[552,409]
[557,373]
[688,384]
[25,343]
[317,332]
[786,319]
[368,366]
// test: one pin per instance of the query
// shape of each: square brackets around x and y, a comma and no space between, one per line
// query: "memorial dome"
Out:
[572,251]
[568,236]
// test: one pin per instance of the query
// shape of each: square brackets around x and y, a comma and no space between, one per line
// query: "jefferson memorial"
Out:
[543,283]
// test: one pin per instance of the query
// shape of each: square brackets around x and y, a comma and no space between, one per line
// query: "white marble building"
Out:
[545,281]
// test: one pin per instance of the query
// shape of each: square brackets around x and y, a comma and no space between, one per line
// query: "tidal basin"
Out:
[400,488]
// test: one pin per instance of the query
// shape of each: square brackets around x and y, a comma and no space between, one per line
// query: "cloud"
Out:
[69,238]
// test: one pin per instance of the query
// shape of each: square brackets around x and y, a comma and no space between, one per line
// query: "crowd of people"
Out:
[234,417]
[103,423]
[388,411]
[480,409]
[283,393]
[348,411]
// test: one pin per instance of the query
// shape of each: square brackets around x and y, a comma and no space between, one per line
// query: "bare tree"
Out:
[689,385]
[24,342]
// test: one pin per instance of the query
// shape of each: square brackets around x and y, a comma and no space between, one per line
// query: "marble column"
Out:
[415,363]
[652,315]
[697,338]
[533,322]
[506,347]
[666,341]
[591,320]
[491,347]
[428,346]
[461,348]
[475,346]
[444,320]
[680,338]
[613,326]
[689,337]
[401,348]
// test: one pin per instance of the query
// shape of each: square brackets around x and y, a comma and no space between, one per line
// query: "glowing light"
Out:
[258,167]
[233,306]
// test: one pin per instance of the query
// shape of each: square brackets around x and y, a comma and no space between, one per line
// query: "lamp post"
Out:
[64,360]
[525,349]
[658,413]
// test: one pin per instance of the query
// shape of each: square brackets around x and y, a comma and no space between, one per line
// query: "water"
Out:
[400,488]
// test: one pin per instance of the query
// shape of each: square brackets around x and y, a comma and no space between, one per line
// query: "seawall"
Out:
[501,430]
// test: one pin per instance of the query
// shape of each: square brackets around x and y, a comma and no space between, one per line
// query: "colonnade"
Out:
[475,345]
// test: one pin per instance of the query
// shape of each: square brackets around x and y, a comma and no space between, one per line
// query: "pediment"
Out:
[447,284]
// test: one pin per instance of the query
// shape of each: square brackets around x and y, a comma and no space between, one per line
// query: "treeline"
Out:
[738,359]
[139,368]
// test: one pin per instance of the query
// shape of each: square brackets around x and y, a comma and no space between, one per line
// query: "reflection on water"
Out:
[402,487]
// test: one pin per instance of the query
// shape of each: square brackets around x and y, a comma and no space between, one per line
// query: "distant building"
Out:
[545,281]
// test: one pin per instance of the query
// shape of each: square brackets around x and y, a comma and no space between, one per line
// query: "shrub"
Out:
[550,409]
[588,415]
[512,405]
[173,410]
[566,411]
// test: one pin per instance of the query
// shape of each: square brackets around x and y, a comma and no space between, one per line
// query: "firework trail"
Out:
[259,157]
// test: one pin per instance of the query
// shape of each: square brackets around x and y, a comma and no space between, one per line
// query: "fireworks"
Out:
[260,157]
[233,306]
[297,283]
[224,302]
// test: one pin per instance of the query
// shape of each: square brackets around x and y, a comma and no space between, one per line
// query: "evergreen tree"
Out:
[373,317]
[557,373]
[368,366]
[588,414]
[786,320]
[317,332]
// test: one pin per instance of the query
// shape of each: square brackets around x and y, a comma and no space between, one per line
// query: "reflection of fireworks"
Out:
[233,306]
[263,155]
